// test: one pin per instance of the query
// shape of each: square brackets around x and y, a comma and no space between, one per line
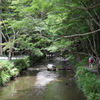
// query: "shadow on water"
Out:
[43,85]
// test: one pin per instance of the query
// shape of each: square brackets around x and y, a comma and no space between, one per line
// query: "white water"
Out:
[44,77]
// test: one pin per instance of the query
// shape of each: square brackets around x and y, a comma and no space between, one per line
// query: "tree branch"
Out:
[78,7]
[3,35]
[77,35]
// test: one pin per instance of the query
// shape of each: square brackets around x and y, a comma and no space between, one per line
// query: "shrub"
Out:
[7,71]
[34,59]
[89,83]
[4,77]
[22,63]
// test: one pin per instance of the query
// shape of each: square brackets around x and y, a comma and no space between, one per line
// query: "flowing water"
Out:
[43,85]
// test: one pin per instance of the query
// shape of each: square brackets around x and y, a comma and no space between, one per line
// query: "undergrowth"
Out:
[7,70]
[87,82]
[23,63]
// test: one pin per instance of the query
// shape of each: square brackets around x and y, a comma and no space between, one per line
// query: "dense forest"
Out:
[55,25]
[68,28]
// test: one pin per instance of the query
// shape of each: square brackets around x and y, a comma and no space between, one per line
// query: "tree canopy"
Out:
[54,25]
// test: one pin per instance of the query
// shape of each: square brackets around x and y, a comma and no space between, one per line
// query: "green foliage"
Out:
[22,63]
[36,57]
[7,45]
[82,62]
[89,83]
[43,21]
[37,52]
[7,71]
[7,65]
[14,72]
[4,77]
[94,96]
[70,57]
[46,19]
[52,48]
[59,45]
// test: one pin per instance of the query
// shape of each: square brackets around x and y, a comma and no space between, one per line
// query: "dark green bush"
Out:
[22,63]
[34,59]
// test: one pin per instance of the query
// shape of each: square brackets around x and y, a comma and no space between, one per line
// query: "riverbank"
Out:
[43,85]
[11,69]
[87,81]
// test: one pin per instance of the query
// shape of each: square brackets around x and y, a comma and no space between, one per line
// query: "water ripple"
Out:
[44,77]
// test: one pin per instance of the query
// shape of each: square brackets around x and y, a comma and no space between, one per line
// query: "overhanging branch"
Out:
[90,7]
[77,35]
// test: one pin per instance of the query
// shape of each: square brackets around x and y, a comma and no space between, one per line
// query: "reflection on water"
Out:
[63,89]
[42,79]
[43,85]
[14,88]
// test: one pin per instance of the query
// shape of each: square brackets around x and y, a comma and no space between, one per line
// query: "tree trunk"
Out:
[10,54]
[0,32]
[0,43]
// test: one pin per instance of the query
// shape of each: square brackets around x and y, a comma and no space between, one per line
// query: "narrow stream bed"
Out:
[43,85]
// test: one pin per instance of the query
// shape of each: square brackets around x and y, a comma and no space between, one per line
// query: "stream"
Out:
[43,85]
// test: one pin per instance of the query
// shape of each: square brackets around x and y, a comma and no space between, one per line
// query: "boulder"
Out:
[51,67]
